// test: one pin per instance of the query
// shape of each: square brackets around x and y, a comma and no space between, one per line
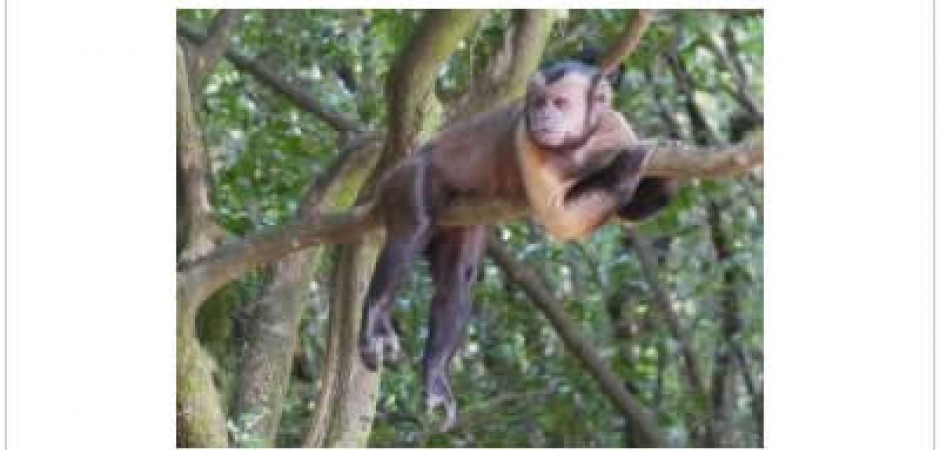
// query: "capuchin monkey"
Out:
[574,156]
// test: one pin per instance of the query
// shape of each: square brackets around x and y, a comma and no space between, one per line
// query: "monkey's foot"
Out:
[379,348]
[439,395]
[378,341]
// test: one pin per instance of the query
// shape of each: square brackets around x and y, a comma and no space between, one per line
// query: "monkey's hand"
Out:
[620,177]
[438,394]
[651,196]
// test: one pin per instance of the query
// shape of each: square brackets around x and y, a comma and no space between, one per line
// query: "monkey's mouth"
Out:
[548,135]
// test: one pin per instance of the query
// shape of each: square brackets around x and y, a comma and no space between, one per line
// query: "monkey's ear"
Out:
[604,93]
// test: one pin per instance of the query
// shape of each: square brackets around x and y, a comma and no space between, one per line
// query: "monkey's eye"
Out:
[539,102]
[561,103]
[600,98]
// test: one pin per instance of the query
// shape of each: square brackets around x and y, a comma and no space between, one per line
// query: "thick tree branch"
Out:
[203,58]
[642,420]
[506,73]
[411,81]
[200,422]
[204,276]
[341,370]
[271,335]
[628,41]
[347,400]
[231,260]
[202,230]
[294,93]
[680,160]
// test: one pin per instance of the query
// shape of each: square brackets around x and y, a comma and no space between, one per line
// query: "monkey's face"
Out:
[565,110]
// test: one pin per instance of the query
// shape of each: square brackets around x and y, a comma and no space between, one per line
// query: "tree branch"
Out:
[506,73]
[294,93]
[271,335]
[339,419]
[202,232]
[346,420]
[641,419]
[205,56]
[702,133]
[202,277]
[628,41]
[645,255]
[200,422]
[732,64]
[411,81]
[680,160]
[729,343]
[741,80]
[666,113]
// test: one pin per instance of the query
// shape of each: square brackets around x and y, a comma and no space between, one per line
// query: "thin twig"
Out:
[611,384]
[628,41]
[645,255]
[294,93]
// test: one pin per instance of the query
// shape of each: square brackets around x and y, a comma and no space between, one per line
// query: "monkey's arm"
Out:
[572,208]
[574,193]
[577,217]
[613,135]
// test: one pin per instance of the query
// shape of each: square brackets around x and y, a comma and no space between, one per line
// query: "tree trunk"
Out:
[199,418]
[348,392]
[265,366]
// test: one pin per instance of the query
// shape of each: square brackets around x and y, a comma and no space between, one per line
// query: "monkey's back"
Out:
[476,156]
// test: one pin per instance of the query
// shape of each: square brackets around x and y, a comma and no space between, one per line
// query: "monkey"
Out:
[563,144]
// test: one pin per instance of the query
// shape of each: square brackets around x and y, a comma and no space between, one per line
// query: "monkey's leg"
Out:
[408,226]
[455,256]
[651,196]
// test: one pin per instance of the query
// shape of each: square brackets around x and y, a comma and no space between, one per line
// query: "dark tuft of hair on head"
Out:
[557,70]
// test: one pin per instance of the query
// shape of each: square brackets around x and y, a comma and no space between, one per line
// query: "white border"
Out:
[849,222]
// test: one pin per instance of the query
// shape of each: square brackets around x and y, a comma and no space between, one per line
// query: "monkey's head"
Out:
[564,104]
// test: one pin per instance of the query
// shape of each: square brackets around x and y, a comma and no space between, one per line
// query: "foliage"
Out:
[517,385]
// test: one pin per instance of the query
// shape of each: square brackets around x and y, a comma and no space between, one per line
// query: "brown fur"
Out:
[564,147]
